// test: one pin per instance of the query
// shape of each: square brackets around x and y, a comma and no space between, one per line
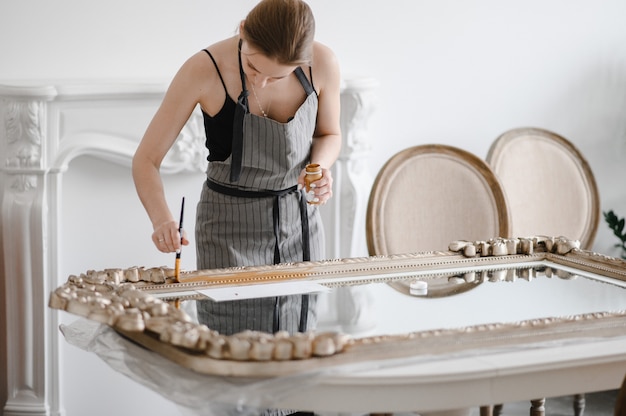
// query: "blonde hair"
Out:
[281,29]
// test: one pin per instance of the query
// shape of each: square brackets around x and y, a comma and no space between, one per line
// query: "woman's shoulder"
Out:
[323,54]
[223,51]
[325,64]
[200,64]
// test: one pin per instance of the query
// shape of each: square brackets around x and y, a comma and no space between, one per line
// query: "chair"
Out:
[427,196]
[549,185]
[551,191]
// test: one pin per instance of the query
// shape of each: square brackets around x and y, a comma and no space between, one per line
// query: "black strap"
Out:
[308,87]
[304,313]
[276,221]
[241,109]
[304,218]
[306,256]
[276,320]
[246,193]
[217,69]
[311,76]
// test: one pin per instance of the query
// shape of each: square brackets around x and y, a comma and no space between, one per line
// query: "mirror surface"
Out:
[473,296]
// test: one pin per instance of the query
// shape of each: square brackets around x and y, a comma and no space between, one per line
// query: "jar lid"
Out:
[313,168]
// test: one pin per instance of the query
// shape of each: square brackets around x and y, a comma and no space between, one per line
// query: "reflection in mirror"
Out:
[503,295]
[481,296]
[452,284]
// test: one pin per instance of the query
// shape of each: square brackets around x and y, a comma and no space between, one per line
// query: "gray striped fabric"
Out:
[236,231]
[274,153]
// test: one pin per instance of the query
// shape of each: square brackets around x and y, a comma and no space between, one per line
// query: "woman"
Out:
[270,100]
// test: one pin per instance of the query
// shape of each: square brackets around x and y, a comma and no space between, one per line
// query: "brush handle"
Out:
[180,231]
[177,267]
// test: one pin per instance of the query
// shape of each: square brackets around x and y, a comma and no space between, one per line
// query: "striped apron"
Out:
[257,219]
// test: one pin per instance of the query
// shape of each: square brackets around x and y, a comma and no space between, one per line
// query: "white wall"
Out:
[451,71]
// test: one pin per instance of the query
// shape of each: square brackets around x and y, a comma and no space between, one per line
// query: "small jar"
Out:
[313,173]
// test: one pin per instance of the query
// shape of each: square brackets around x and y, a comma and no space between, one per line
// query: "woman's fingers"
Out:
[167,239]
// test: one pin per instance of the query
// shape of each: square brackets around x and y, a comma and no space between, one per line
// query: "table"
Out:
[555,325]
[443,383]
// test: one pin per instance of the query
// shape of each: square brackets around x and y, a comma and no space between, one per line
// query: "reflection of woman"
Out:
[270,101]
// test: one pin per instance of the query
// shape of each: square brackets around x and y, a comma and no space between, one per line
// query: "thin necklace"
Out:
[256,97]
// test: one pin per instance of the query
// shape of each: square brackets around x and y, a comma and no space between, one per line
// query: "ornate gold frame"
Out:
[141,304]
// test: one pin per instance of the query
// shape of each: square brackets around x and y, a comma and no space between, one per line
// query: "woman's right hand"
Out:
[167,239]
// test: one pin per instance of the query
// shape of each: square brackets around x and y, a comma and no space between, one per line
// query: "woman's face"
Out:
[260,69]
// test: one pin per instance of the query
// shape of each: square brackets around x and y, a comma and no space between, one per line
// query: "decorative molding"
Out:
[358,103]
[24,135]
[189,152]
[23,130]
[108,297]
[512,246]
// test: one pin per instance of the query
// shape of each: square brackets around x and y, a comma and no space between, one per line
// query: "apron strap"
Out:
[241,109]
[308,88]
[306,254]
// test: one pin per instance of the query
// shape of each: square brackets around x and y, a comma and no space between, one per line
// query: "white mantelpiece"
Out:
[44,128]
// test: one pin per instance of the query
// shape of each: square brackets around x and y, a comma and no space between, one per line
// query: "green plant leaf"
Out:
[617,224]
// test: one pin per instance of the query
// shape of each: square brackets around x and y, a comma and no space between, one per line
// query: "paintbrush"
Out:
[180,231]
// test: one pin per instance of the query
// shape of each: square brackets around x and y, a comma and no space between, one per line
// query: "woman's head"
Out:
[281,29]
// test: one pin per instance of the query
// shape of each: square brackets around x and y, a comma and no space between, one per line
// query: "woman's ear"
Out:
[241,26]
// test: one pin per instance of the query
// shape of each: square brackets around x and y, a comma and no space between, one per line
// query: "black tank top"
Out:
[219,128]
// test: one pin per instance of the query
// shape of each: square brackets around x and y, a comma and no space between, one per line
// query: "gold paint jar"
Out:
[313,173]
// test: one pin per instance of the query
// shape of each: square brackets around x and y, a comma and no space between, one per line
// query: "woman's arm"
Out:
[179,102]
[327,137]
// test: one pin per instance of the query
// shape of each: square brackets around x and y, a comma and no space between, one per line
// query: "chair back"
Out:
[548,183]
[427,196]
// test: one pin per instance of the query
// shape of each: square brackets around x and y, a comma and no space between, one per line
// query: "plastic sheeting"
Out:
[206,395]
[195,393]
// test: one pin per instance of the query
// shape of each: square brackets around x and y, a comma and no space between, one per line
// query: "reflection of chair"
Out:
[427,196]
[550,189]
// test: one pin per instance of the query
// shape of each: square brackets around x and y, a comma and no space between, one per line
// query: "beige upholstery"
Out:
[548,183]
[427,196]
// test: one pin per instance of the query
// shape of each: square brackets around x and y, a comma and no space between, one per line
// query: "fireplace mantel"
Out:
[43,127]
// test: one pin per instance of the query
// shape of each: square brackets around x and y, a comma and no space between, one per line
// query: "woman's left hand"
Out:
[322,188]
